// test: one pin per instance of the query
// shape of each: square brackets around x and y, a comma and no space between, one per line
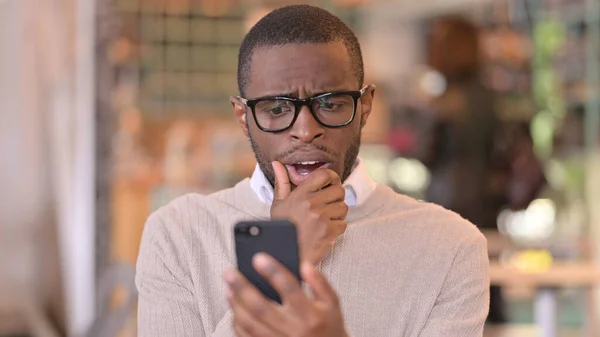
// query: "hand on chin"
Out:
[316,206]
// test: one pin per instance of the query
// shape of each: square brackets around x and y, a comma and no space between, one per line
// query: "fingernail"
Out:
[307,267]
[264,263]
[228,276]
[261,258]
[231,279]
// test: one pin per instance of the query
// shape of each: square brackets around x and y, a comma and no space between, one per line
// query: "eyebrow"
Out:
[321,93]
[296,95]
[289,95]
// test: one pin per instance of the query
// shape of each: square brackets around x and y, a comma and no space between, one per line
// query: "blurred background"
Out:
[111,108]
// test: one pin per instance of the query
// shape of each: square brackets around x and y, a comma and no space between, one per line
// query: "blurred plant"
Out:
[549,38]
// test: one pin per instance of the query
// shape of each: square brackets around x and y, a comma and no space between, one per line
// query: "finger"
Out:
[283,187]
[330,194]
[239,331]
[336,228]
[285,283]
[336,211]
[319,179]
[320,287]
[249,328]
[244,294]
[244,324]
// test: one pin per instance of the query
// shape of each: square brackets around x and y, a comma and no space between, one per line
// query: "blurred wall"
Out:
[29,271]
[47,150]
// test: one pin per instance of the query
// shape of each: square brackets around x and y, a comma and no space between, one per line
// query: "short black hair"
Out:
[297,24]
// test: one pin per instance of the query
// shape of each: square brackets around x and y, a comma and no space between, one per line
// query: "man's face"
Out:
[302,71]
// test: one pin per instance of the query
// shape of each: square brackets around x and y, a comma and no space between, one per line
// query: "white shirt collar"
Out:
[358,186]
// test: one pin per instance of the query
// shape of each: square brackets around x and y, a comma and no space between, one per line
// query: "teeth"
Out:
[308,162]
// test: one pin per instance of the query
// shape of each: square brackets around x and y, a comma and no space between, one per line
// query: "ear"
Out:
[239,111]
[367,104]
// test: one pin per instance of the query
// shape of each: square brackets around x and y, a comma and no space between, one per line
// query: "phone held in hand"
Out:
[277,238]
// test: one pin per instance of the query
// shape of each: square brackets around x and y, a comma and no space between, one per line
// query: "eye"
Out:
[275,111]
[275,108]
[328,105]
[334,103]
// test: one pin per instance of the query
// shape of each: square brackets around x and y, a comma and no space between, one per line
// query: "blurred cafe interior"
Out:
[111,108]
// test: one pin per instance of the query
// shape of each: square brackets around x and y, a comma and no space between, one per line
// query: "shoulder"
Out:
[189,208]
[433,223]
[203,204]
[194,213]
[168,223]
[441,220]
[173,230]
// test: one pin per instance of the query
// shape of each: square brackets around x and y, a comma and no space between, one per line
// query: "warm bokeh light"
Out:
[534,224]
[408,175]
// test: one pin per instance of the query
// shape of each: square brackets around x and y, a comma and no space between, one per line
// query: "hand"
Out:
[316,207]
[298,315]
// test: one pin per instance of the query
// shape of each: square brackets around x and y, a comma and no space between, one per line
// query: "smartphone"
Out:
[277,238]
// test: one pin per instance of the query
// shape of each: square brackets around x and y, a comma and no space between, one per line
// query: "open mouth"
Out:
[308,167]
[299,171]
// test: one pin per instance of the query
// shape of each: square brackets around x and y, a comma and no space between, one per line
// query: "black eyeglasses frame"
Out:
[299,103]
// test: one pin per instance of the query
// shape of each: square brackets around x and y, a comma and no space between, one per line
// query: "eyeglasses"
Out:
[332,109]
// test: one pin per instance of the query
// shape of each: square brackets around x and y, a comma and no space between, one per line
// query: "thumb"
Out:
[283,187]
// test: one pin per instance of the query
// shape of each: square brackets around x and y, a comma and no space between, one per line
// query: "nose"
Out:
[306,128]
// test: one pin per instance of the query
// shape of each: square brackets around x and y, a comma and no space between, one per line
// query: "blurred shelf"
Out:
[497,242]
[523,330]
[560,274]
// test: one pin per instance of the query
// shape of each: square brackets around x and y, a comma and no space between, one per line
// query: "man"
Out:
[375,263]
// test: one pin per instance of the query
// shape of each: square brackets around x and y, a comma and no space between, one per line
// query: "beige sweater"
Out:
[402,268]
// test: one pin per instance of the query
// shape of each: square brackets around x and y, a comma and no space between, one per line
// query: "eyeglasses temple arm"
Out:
[243,100]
